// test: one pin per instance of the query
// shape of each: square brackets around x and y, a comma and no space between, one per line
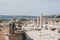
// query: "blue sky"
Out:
[29,7]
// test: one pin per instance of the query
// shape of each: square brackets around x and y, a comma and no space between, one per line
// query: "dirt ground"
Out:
[2,32]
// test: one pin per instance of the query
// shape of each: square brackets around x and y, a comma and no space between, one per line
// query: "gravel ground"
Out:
[42,35]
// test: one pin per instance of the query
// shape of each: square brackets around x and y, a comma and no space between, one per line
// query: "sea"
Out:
[7,17]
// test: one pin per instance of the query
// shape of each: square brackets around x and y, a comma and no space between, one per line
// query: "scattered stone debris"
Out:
[16,33]
[53,29]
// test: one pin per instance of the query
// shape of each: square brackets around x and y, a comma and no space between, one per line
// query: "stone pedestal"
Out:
[16,36]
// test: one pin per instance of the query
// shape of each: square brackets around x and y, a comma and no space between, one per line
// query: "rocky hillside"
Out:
[52,16]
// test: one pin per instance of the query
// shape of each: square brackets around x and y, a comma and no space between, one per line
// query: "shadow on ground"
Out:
[26,37]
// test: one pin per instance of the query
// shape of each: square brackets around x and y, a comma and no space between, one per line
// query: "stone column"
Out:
[12,27]
[38,21]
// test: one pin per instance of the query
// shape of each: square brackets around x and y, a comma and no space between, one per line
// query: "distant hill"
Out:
[52,16]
